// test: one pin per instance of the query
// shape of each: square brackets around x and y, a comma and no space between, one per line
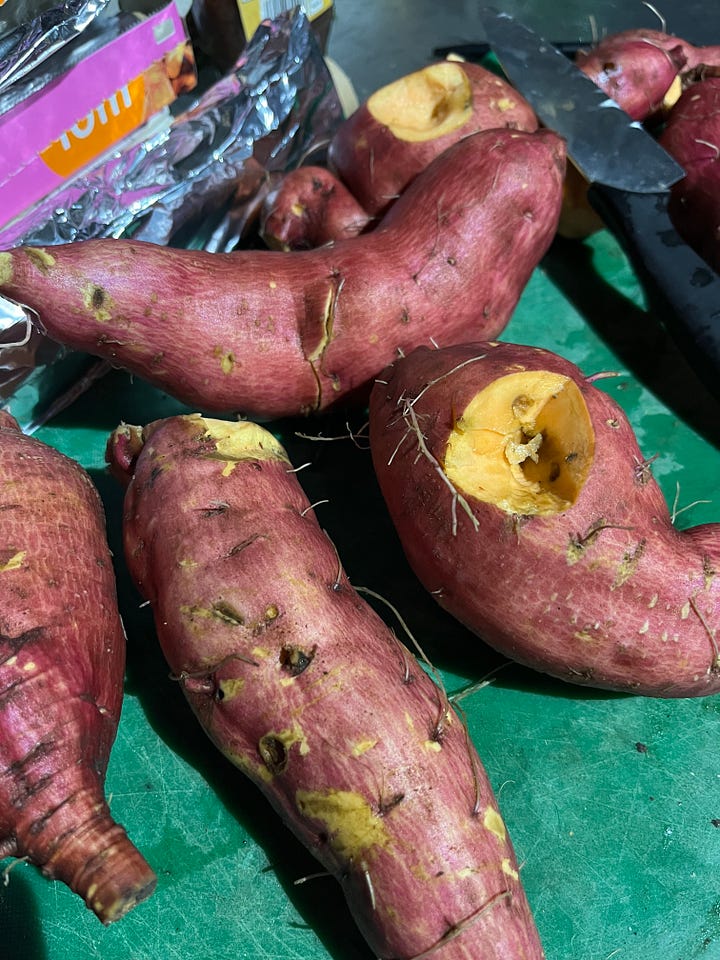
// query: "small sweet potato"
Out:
[526,508]
[692,136]
[638,72]
[381,147]
[62,658]
[305,689]
[269,333]
[309,207]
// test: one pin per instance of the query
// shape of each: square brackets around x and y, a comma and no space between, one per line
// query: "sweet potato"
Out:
[692,136]
[637,71]
[309,207]
[381,147]
[62,657]
[269,333]
[526,508]
[305,689]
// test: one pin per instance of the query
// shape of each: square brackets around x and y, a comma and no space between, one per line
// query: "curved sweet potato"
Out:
[526,508]
[381,147]
[306,690]
[62,658]
[274,334]
[309,207]
[692,136]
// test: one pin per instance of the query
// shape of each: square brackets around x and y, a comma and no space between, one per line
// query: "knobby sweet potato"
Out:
[309,207]
[526,508]
[62,657]
[303,686]
[381,147]
[692,136]
[269,333]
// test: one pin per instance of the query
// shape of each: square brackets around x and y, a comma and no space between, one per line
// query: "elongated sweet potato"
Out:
[525,506]
[302,686]
[272,334]
[62,657]
[381,147]
[308,207]
[692,136]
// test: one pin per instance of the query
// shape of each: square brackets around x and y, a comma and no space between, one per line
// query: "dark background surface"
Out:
[376,42]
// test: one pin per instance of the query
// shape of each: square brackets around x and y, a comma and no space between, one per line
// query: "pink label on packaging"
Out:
[90,95]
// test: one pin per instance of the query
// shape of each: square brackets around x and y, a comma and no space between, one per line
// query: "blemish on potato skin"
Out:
[6,268]
[97,302]
[40,258]
[493,822]
[628,565]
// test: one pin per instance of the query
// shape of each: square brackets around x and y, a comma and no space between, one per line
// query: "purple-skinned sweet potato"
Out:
[526,508]
[270,334]
[301,685]
[391,137]
[309,207]
[692,136]
[62,659]
[636,71]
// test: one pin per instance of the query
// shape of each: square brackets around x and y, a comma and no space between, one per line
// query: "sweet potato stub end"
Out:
[426,104]
[524,443]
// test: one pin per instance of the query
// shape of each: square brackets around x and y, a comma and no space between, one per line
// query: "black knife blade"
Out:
[681,288]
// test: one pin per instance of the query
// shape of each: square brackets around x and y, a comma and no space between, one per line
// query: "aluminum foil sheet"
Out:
[32,30]
[179,179]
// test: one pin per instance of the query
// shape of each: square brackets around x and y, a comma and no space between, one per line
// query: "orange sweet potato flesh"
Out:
[62,657]
[272,334]
[525,506]
[305,689]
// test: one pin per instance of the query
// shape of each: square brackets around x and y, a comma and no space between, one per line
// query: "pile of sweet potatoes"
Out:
[516,486]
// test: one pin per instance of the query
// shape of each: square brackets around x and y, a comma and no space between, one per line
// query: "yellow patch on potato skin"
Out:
[353,827]
[493,822]
[15,562]
[6,268]
[40,258]
[97,302]
[362,746]
[231,687]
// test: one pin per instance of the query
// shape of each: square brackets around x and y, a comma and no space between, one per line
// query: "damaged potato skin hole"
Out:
[527,509]
[525,443]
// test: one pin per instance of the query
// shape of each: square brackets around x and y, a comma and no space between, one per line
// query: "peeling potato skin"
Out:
[272,334]
[606,594]
[62,659]
[312,696]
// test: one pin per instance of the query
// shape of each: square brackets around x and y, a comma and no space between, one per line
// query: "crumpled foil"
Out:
[30,31]
[174,181]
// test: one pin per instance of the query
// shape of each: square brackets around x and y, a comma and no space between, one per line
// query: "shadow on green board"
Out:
[633,334]
[20,921]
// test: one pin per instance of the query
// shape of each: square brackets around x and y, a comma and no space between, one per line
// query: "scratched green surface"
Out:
[618,842]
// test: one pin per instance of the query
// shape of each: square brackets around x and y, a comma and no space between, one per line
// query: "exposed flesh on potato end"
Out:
[426,104]
[524,443]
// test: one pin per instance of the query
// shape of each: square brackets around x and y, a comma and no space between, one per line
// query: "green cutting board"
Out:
[612,801]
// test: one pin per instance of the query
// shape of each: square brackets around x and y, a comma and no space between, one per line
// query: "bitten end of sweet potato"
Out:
[426,104]
[525,443]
